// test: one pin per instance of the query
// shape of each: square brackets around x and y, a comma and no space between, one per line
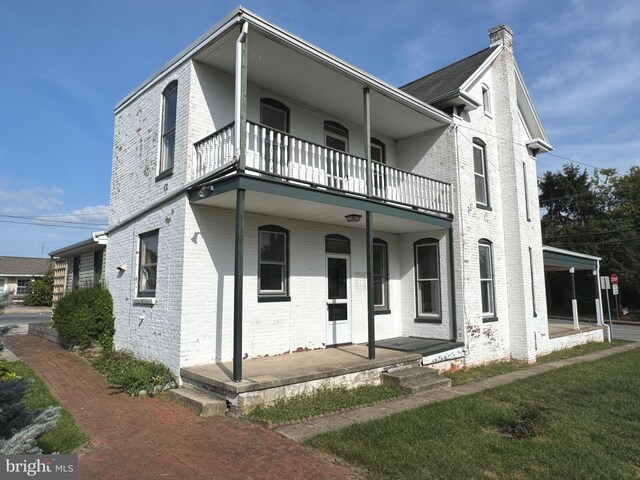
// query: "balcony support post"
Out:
[240,131]
[371,319]
[238,285]
[366,100]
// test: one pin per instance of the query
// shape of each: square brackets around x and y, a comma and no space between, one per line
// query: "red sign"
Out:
[614,279]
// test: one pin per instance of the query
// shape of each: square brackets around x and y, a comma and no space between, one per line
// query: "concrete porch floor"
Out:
[562,328]
[281,370]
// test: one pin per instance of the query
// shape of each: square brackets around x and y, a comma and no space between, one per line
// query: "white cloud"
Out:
[97,214]
[35,199]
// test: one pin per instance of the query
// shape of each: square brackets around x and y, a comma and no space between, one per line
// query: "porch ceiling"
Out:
[279,206]
[292,73]
[556,259]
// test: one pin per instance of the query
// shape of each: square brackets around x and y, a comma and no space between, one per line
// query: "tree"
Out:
[40,291]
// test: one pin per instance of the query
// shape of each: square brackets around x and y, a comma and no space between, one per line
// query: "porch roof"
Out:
[281,62]
[277,198]
[560,259]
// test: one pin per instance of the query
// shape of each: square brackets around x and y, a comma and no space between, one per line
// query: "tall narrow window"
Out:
[480,172]
[533,285]
[97,267]
[273,269]
[170,100]
[380,275]
[486,100]
[336,137]
[486,279]
[427,272]
[148,264]
[378,155]
[75,279]
[526,190]
[275,116]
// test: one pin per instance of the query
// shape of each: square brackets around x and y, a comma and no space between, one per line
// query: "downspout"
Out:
[600,312]
[461,233]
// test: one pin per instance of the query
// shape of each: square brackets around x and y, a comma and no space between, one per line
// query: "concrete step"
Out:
[417,379]
[203,403]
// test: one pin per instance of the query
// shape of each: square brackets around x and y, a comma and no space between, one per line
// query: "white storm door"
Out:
[338,324]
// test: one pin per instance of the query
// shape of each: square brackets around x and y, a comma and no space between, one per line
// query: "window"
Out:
[275,116]
[427,278]
[380,275]
[480,171]
[526,191]
[97,267]
[273,271]
[170,100]
[378,154]
[335,243]
[336,136]
[533,285]
[23,285]
[148,264]
[75,279]
[486,100]
[486,279]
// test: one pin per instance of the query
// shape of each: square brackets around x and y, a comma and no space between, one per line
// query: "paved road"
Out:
[619,331]
[24,318]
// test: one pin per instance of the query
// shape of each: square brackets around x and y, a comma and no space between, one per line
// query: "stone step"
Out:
[417,379]
[203,403]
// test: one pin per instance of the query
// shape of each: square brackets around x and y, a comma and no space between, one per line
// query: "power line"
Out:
[52,221]
[592,233]
[47,225]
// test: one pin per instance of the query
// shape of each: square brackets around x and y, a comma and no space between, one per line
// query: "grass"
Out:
[582,423]
[325,401]
[460,377]
[131,374]
[66,436]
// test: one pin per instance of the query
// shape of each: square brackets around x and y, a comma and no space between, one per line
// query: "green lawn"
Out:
[591,430]
[66,436]
[324,401]
[461,377]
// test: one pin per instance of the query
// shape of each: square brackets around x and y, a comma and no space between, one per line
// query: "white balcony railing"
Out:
[280,154]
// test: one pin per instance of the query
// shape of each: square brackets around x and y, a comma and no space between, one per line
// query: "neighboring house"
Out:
[79,265]
[17,272]
[342,210]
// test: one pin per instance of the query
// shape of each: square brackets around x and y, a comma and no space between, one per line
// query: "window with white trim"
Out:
[380,275]
[480,173]
[273,254]
[169,111]
[148,264]
[486,101]
[427,274]
[485,255]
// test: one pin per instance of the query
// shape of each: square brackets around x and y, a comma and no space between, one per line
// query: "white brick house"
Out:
[230,243]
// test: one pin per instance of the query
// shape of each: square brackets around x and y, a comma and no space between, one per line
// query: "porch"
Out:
[267,379]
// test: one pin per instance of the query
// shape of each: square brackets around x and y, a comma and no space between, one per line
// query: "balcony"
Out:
[284,156]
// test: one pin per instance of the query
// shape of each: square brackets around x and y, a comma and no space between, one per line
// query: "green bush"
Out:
[40,291]
[131,374]
[85,316]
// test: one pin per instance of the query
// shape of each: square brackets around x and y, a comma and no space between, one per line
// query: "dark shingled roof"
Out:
[23,266]
[447,80]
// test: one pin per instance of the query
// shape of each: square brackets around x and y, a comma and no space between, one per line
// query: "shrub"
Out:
[5,302]
[131,374]
[40,291]
[85,316]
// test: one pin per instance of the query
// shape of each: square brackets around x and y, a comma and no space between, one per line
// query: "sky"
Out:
[66,64]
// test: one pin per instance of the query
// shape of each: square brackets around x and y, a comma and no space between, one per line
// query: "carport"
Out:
[557,259]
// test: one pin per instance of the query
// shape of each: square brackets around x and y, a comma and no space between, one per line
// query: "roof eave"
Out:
[71,249]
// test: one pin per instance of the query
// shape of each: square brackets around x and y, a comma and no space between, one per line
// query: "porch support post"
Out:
[367,138]
[237,286]
[574,301]
[370,310]
[240,128]
[452,286]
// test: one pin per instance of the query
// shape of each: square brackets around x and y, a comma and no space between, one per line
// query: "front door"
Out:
[338,325]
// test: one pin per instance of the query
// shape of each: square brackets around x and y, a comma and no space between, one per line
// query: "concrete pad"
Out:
[8,355]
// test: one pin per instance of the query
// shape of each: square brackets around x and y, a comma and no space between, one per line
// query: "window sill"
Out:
[484,207]
[282,298]
[428,320]
[488,114]
[489,319]
[382,312]
[144,301]
[165,174]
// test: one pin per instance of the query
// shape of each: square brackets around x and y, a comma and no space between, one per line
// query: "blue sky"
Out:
[66,64]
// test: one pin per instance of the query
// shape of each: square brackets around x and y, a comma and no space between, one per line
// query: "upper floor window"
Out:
[170,101]
[380,275]
[486,279]
[274,114]
[336,136]
[486,100]
[273,261]
[480,171]
[427,273]
[378,151]
[148,264]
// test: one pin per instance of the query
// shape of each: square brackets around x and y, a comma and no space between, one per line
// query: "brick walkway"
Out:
[149,438]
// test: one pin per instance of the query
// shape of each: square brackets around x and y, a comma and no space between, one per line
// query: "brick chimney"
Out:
[501,35]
